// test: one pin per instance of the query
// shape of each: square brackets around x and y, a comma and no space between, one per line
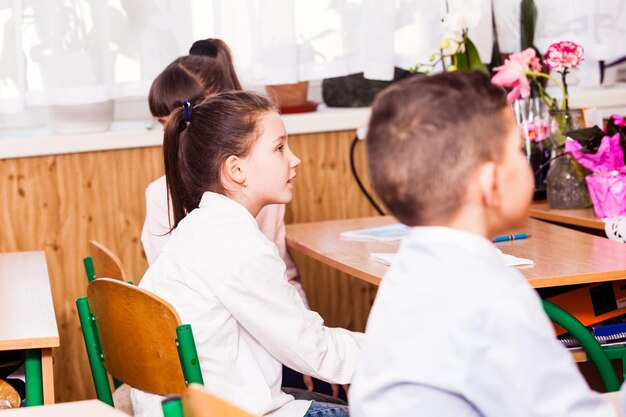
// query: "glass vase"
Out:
[565,181]
[532,118]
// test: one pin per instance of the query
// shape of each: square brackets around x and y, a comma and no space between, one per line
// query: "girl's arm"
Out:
[271,220]
[270,309]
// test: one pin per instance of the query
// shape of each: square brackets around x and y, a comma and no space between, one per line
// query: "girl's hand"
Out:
[334,388]
[308,382]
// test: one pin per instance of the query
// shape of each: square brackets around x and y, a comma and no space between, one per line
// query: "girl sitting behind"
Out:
[225,159]
[207,70]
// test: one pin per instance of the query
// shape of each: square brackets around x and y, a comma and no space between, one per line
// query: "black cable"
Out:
[358,180]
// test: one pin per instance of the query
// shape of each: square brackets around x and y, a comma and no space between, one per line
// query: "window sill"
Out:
[138,134]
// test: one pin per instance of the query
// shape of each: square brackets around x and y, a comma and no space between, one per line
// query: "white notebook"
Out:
[387,233]
[509,260]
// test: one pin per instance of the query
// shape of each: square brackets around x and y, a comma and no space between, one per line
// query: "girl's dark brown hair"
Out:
[223,125]
[208,69]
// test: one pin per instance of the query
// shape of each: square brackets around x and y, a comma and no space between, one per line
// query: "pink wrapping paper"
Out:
[608,194]
[607,185]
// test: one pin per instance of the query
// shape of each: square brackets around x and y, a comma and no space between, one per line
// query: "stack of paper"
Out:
[509,260]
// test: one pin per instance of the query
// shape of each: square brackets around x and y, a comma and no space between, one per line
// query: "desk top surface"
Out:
[576,217]
[562,256]
[90,408]
[27,319]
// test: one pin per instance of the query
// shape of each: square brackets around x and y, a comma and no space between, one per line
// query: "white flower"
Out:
[452,43]
[462,14]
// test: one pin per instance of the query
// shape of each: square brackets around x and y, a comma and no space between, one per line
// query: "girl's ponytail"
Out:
[175,169]
[197,140]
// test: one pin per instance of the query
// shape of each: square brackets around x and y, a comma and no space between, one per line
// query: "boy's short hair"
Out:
[426,135]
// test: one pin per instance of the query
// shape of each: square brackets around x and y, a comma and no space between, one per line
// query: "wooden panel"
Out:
[58,203]
[575,217]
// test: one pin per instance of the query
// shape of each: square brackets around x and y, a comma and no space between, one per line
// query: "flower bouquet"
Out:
[602,152]
[524,74]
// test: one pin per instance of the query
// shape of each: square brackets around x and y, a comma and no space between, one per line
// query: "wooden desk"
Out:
[27,320]
[576,217]
[562,256]
[91,408]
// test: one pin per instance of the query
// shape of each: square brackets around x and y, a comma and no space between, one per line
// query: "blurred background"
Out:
[59,56]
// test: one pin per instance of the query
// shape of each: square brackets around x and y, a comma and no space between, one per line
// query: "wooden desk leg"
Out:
[47,376]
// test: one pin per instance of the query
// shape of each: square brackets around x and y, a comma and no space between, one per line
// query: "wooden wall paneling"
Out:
[57,203]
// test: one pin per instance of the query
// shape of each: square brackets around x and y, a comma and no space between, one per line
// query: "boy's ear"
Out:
[488,184]
[233,170]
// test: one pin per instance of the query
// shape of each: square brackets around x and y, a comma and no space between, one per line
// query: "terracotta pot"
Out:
[289,95]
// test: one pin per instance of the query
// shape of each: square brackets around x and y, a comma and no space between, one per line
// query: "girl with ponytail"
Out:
[207,70]
[225,159]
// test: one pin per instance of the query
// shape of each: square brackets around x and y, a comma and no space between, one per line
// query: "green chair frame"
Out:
[600,356]
[185,346]
[34,377]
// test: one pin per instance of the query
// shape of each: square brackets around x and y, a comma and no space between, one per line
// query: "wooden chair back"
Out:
[105,262]
[137,334]
[197,402]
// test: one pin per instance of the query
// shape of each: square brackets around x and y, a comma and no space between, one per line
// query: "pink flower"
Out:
[618,120]
[513,73]
[564,55]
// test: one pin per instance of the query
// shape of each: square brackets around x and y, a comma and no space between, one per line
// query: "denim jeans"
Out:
[327,410]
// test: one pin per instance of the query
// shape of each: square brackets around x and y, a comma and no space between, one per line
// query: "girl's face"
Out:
[270,168]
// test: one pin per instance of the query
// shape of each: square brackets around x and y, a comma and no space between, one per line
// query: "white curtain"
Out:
[72,52]
[284,41]
[82,51]
[596,25]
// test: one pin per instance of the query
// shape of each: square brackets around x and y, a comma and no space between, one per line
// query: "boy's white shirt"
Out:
[453,332]
[226,279]
[154,234]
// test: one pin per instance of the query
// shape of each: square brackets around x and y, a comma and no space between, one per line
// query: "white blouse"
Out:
[226,279]
[156,228]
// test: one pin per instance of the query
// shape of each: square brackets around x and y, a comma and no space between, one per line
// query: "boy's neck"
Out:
[470,218]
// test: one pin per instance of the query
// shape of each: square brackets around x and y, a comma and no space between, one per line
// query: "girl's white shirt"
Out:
[156,227]
[226,279]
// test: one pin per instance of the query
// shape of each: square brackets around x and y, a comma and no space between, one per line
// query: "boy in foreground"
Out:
[453,331]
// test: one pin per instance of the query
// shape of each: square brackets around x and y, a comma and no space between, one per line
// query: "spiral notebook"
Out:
[610,334]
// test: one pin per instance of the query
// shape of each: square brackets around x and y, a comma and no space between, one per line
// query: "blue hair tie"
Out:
[186,109]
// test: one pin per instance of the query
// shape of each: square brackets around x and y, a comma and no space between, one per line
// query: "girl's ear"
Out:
[233,170]
[488,184]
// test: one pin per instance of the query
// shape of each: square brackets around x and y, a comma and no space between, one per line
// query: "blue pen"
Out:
[506,238]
